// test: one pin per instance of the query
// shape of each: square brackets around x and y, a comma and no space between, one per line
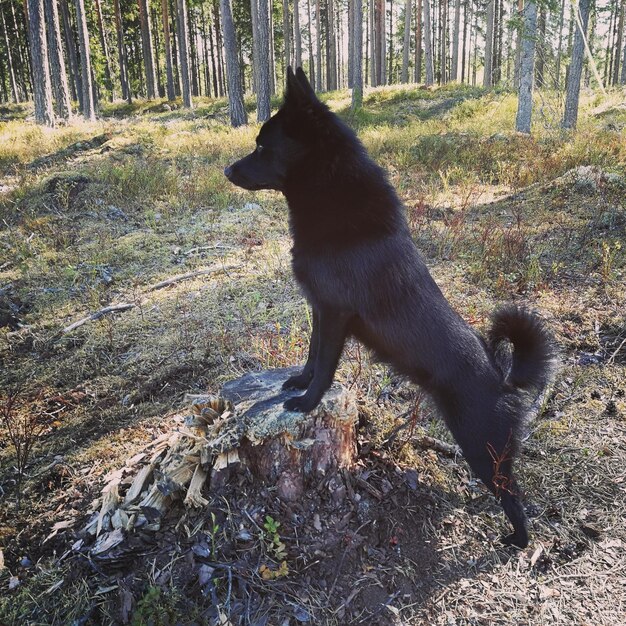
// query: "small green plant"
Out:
[274,546]
[607,259]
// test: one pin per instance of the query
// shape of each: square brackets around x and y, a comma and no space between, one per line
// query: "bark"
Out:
[39,59]
[357,55]
[286,33]
[618,44]
[390,51]
[467,18]
[570,114]
[488,75]
[192,51]
[311,57]
[122,57]
[418,42]
[407,41]
[373,56]
[157,52]
[297,34]
[235,95]
[331,47]
[541,46]
[518,46]
[318,44]
[380,44]
[454,70]
[167,41]
[205,52]
[10,69]
[559,49]
[261,53]
[105,50]
[443,60]
[88,108]
[272,56]
[183,53]
[60,88]
[147,50]
[428,48]
[527,61]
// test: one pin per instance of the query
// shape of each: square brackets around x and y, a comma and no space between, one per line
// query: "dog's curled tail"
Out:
[534,356]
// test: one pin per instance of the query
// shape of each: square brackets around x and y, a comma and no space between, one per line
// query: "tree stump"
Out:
[285,448]
[245,425]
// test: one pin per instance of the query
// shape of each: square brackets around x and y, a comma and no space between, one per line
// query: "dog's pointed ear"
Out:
[306,85]
[299,92]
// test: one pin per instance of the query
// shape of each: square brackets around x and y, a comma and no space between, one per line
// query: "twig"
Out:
[113,308]
[439,446]
[612,357]
[177,279]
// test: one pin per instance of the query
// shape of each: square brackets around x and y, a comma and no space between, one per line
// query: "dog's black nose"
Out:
[228,171]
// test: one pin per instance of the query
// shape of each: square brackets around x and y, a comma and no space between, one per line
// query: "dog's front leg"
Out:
[332,333]
[302,380]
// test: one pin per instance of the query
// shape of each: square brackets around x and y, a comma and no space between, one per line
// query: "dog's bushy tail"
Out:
[533,361]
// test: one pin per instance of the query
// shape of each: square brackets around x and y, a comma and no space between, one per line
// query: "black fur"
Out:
[360,271]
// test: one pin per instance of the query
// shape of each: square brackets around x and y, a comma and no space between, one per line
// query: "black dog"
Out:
[360,271]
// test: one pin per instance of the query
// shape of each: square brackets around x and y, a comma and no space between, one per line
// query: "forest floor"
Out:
[97,214]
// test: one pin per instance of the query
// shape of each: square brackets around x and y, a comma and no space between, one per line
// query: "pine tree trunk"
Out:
[428,48]
[261,52]
[105,50]
[357,54]
[167,41]
[618,44]
[148,52]
[381,44]
[559,49]
[39,59]
[541,46]
[454,69]
[467,18]
[205,52]
[389,80]
[311,57]
[60,89]
[373,49]
[235,95]
[488,75]
[331,47]
[122,58]
[286,33]
[183,53]
[192,48]
[70,45]
[418,42]
[570,115]
[443,48]
[318,44]
[89,109]
[297,34]
[527,62]
[407,41]
[272,56]
[10,69]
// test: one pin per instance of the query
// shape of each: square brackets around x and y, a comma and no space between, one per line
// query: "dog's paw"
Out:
[301,404]
[517,539]
[301,381]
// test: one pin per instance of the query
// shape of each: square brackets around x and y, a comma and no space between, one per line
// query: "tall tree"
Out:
[418,42]
[318,44]
[105,49]
[527,63]
[428,46]
[261,51]
[286,34]
[167,42]
[76,84]
[541,46]
[572,95]
[311,58]
[39,60]
[60,88]
[88,106]
[122,57]
[488,75]
[380,43]
[183,52]
[297,33]
[454,69]
[559,48]
[331,46]
[235,94]
[357,54]
[10,68]
[373,55]
[407,41]
[618,43]
[147,49]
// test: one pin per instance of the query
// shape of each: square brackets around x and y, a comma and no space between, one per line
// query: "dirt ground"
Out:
[100,215]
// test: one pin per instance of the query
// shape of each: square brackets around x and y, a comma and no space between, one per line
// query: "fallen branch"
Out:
[125,306]
[439,446]
[180,277]
[113,308]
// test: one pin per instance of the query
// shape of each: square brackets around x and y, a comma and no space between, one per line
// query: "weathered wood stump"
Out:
[245,424]
[289,449]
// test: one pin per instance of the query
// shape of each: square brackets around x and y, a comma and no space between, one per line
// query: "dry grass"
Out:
[497,220]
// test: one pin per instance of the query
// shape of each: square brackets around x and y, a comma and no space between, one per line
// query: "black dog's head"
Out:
[284,140]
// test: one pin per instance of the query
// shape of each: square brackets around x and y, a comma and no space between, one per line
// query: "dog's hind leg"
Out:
[302,380]
[333,329]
